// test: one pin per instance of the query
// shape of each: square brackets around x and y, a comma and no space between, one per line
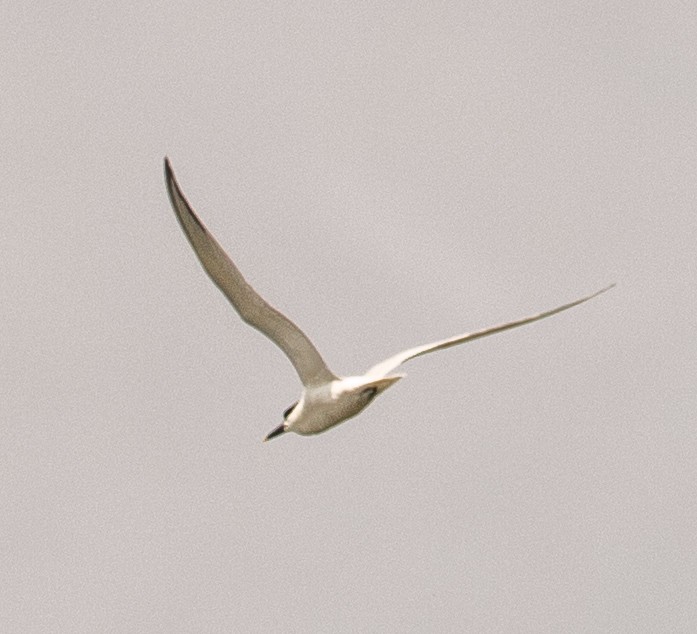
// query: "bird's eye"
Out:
[289,410]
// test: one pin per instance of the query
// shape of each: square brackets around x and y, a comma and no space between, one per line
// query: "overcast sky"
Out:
[386,174]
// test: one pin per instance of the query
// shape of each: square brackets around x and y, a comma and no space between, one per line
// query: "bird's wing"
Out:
[251,307]
[385,367]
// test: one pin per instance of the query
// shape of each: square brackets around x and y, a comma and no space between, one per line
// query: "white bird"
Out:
[326,398]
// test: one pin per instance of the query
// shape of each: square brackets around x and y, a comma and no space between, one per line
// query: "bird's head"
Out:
[283,427]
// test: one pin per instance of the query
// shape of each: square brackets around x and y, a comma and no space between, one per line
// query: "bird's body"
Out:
[329,404]
[326,399]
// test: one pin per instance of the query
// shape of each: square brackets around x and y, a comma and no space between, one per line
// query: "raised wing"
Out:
[385,367]
[246,301]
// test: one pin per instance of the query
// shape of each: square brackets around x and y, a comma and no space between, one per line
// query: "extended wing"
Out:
[251,307]
[385,367]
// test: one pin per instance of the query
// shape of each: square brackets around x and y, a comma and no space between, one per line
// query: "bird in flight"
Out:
[326,398]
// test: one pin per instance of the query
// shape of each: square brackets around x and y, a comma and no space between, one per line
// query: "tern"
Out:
[326,399]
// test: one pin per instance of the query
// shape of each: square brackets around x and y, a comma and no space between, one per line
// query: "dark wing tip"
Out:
[177,197]
[169,174]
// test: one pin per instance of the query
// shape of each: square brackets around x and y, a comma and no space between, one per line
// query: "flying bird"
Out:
[326,399]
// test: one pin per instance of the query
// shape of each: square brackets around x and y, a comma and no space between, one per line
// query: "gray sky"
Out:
[386,177]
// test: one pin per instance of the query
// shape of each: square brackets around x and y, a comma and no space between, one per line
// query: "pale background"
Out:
[386,174]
